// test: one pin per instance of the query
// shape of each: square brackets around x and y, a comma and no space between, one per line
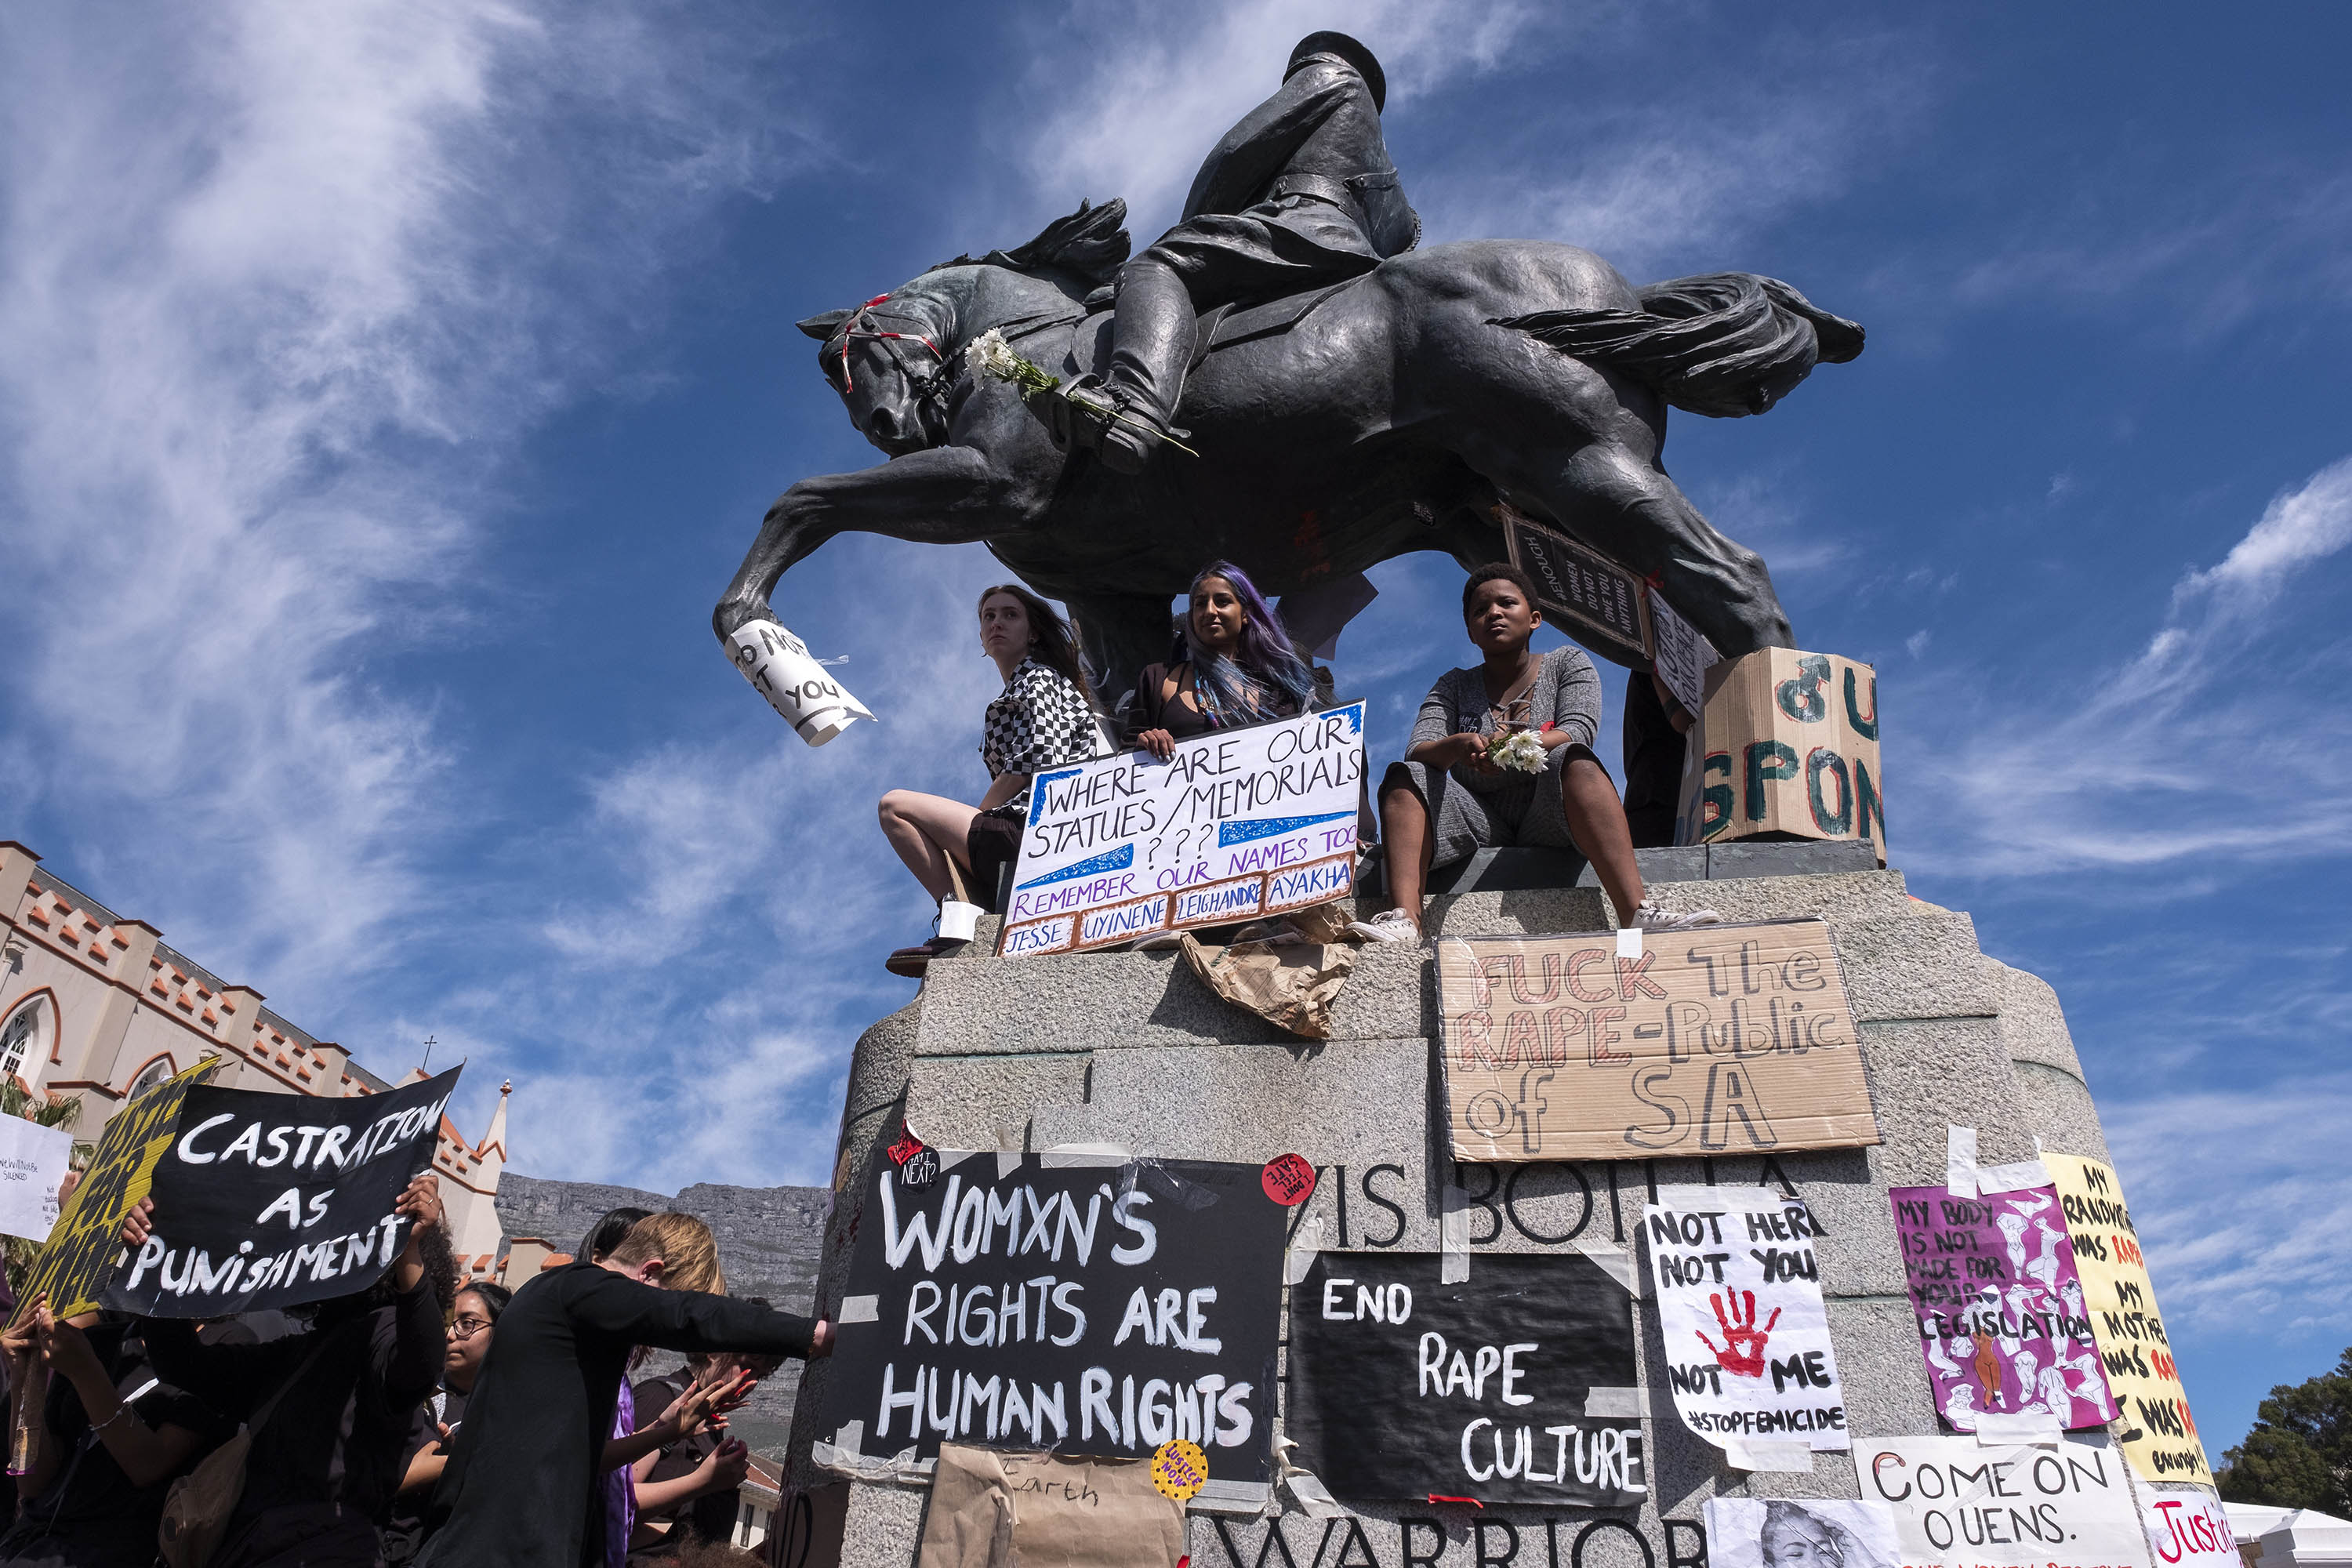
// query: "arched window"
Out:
[24,1038]
[150,1074]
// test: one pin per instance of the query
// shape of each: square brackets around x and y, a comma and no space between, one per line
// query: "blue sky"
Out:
[386,392]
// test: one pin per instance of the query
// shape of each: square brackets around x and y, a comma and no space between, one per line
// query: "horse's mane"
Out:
[1088,245]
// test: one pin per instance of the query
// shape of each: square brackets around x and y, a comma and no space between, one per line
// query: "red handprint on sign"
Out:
[1742,1351]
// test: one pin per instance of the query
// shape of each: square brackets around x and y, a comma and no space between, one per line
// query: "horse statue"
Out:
[1407,409]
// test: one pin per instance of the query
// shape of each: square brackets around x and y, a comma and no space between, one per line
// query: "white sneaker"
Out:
[1649,917]
[1389,925]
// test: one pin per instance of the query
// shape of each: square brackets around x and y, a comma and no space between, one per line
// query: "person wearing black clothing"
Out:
[523,1489]
[94,1496]
[326,1464]
[1656,736]
[409,1520]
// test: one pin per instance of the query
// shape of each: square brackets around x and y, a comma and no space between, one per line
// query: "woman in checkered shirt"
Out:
[1044,718]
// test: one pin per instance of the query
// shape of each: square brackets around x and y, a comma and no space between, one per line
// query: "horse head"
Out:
[889,359]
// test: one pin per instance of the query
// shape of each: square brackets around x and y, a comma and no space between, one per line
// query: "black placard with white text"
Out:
[274,1200]
[1078,1307]
[1516,1386]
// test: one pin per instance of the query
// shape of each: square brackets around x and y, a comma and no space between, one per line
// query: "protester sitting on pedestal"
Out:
[410,1521]
[326,1459]
[108,1440]
[1233,666]
[521,1489]
[1450,798]
[1042,719]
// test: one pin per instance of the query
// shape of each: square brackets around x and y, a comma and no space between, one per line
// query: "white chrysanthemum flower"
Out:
[989,354]
[1521,752]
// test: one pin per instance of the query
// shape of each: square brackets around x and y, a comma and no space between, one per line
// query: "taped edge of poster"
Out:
[1779,1457]
[842,1458]
[1304,1245]
[2002,1429]
[1453,1235]
[2015,1177]
[1629,941]
[1233,1497]
[1615,1402]
[1007,1162]
[1616,1261]
[1313,1497]
[858,1309]
[1081,1156]
[1960,1160]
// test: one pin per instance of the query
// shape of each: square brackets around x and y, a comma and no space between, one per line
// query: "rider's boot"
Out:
[1151,348]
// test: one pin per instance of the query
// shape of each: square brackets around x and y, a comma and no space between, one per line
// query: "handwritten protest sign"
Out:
[1729,1038]
[1580,590]
[991,1510]
[1064,1305]
[1740,1305]
[1790,745]
[33,1164]
[781,668]
[1515,1385]
[271,1200]
[2187,1528]
[1236,825]
[1999,1309]
[1683,656]
[82,1249]
[1960,1505]
[2159,1435]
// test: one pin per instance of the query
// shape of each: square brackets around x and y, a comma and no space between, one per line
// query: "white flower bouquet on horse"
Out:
[989,354]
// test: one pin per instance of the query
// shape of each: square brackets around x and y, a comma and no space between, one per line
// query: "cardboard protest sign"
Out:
[2159,1435]
[274,1200]
[1609,1046]
[1801,1533]
[1958,1504]
[1790,745]
[1683,657]
[1063,1304]
[989,1509]
[1739,1304]
[781,668]
[2188,1529]
[1580,590]
[1516,1386]
[2001,1311]
[1236,825]
[87,1240]
[33,1161]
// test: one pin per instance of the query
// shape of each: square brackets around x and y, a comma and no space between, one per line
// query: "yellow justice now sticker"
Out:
[1180,1469]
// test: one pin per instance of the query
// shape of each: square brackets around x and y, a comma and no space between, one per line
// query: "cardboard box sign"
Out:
[1789,746]
[1726,1040]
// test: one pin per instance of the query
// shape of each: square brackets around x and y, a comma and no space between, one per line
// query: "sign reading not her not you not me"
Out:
[1236,825]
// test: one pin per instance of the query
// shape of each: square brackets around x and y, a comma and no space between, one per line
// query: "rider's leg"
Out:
[928,831]
[1151,348]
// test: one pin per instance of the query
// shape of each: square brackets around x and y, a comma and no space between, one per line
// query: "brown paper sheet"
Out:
[1726,1039]
[993,1510]
[1292,986]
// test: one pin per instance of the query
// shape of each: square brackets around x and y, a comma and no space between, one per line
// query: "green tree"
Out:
[2299,1452]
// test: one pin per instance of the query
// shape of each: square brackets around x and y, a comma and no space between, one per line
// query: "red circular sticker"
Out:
[1288,1179]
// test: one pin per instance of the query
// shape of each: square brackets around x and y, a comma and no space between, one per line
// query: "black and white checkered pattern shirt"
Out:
[1040,721]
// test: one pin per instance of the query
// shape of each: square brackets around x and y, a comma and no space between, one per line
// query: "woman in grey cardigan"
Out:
[1450,797]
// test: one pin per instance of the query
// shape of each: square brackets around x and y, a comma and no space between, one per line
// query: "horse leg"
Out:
[1627,507]
[949,495]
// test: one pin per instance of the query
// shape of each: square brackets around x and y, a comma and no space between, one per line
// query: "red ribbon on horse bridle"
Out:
[849,331]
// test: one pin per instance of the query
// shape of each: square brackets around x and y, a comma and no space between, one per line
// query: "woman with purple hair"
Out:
[1233,666]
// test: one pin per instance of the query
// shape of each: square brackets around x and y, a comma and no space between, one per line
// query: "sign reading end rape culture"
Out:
[1238,824]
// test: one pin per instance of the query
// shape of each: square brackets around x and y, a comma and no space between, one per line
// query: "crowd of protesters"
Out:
[1232,663]
[425,1420]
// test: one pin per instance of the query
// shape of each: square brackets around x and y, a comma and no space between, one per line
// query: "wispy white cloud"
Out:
[281,286]
[2189,748]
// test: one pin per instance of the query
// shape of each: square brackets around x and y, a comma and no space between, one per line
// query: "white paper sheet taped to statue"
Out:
[781,668]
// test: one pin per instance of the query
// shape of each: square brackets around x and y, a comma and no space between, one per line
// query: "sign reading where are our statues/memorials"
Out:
[1067,1303]
[1236,825]
[274,1200]
[1726,1039]
[1515,1385]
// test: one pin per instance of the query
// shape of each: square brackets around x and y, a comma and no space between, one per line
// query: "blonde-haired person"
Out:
[1044,718]
[523,1489]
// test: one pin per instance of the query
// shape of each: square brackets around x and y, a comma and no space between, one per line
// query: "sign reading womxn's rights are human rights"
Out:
[1237,824]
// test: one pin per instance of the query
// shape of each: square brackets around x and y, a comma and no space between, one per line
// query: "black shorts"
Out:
[991,844]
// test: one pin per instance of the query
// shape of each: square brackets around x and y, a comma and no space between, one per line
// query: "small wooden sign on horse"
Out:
[1581,591]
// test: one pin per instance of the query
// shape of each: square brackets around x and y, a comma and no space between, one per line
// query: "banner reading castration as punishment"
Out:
[1238,824]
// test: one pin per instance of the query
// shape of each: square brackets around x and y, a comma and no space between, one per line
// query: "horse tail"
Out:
[1722,344]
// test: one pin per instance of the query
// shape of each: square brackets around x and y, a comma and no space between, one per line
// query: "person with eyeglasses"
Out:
[409,1520]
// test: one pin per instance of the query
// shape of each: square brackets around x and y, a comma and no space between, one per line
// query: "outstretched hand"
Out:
[138,1223]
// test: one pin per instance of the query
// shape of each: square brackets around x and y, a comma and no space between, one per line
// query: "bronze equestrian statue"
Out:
[1350,399]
